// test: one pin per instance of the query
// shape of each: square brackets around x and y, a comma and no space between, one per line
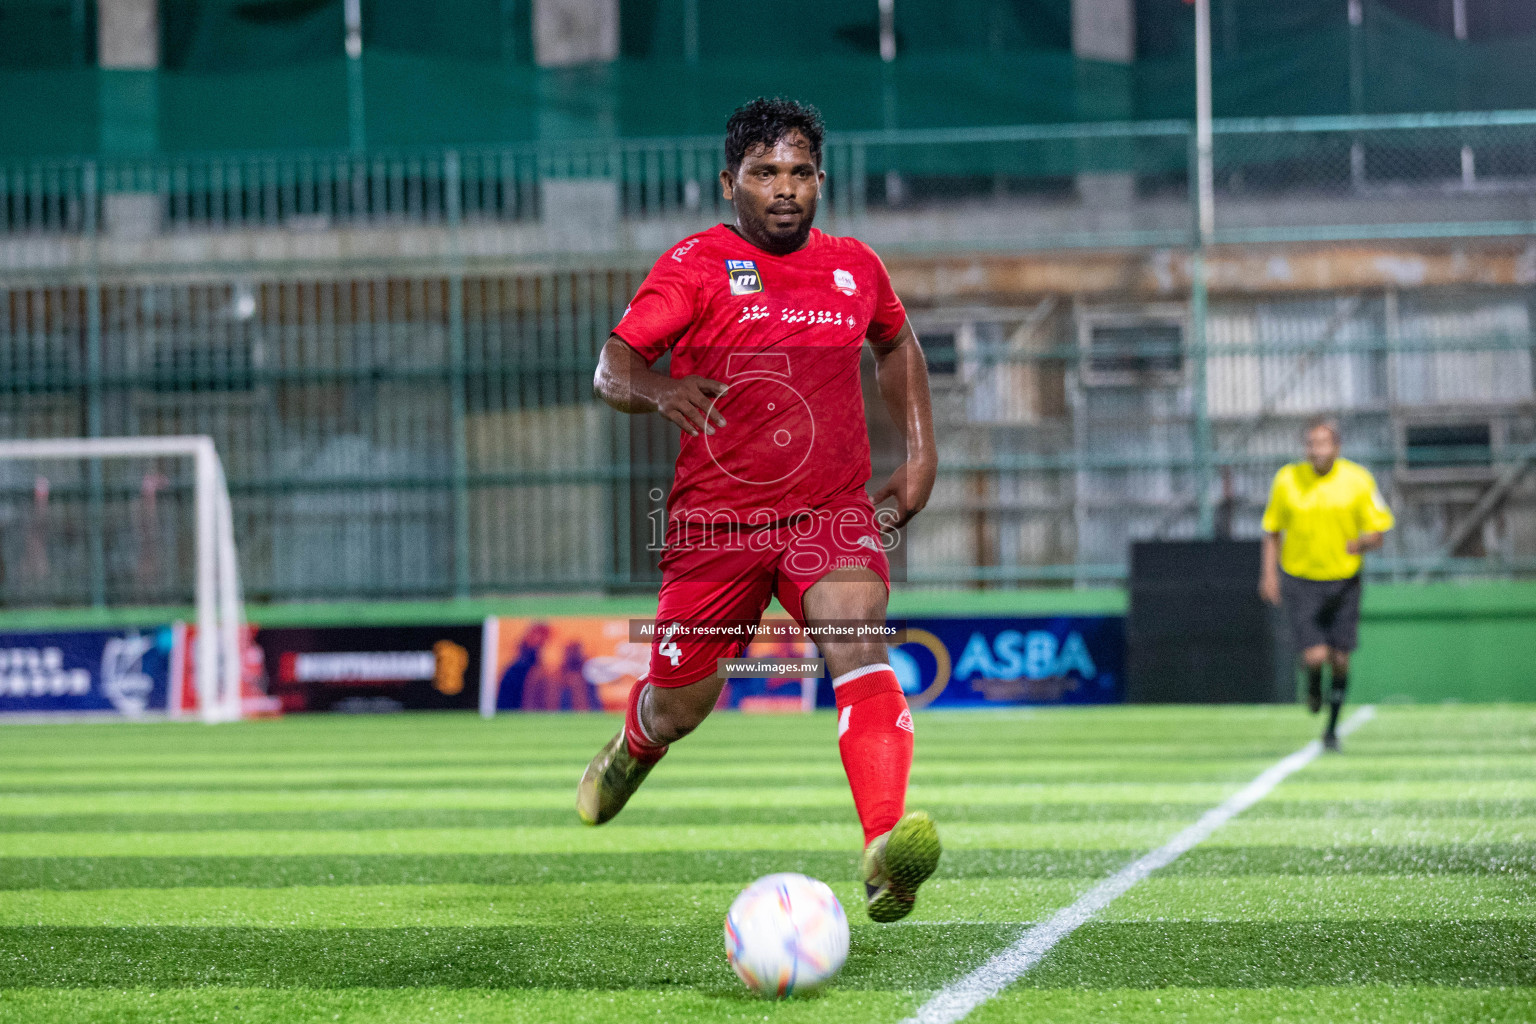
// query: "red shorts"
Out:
[727,576]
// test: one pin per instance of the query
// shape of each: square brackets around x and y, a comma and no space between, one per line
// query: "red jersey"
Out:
[784,334]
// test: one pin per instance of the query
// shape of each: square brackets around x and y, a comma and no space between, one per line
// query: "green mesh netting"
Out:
[1285,64]
[247,74]
[654,29]
[37,34]
[221,36]
[473,30]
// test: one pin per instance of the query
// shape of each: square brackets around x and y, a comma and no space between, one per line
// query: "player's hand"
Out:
[911,485]
[686,401]
[1269,589]
[1352,545]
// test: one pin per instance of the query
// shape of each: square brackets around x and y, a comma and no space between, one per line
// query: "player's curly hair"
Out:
[763,122]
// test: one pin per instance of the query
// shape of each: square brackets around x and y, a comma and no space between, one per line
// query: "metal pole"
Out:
[894,186]
[95,500]
[1356,87]
[691,31]
[1199,302]
[1205,228]
[457,384]
[357,129]
[1205,189]
[1459,27]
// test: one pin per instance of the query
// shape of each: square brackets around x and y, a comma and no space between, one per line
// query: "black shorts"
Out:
[1322,612]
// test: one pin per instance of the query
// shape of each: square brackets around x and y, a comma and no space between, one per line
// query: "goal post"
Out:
[219,610]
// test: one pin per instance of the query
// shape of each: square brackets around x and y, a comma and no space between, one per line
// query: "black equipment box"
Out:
[1198,631]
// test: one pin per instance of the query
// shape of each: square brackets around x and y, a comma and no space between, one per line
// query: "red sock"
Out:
[874,735]
[640,746]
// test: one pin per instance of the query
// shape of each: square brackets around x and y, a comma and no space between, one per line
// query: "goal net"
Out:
[125,521]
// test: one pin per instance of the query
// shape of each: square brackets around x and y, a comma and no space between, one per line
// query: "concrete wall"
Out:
[128,34]
[1104,32]
[567,32]
[1467,642]
[128,52]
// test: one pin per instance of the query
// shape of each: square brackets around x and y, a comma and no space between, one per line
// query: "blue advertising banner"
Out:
[122,671]
[993,662]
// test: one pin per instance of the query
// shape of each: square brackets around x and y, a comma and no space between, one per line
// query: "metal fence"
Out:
[393,352]
[1117,183]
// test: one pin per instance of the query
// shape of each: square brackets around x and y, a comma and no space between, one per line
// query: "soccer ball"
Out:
[786,933]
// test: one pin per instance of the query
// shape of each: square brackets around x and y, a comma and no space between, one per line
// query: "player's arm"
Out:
[902,372]
[626,381]
[1365,542]
[1276,515]
[1269,572]
[1375,520]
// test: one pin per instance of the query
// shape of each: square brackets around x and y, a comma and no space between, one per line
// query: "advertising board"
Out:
[113,672]
[373,668]
[991,662]
[576,663]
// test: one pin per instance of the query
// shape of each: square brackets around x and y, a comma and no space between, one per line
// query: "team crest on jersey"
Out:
[844,282]
[745,280]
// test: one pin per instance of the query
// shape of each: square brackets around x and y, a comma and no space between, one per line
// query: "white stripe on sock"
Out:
[960,997]
[640,716]
[848,677]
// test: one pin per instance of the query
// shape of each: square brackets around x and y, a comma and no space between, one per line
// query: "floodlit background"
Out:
[371,248]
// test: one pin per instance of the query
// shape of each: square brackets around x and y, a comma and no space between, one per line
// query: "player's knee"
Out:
[1314,657]
[845,657]
[674,713]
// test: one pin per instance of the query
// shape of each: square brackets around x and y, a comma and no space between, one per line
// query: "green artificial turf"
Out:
[431,868]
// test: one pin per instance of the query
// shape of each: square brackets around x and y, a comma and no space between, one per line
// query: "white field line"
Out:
[960,997]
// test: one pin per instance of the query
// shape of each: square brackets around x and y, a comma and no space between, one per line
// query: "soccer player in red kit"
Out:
[766,319]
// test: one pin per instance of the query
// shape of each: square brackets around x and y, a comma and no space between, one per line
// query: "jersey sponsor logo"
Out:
[682,250]
[904,721]
[843,281]
[745,280]
[868,542]
[814,316]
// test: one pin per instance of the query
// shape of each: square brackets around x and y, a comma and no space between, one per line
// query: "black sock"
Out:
[1336,699]
[1315,680]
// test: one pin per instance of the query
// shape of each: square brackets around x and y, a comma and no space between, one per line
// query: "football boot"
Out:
[896,863]
[609,781]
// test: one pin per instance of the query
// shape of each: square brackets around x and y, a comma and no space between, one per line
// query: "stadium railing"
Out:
[393,350]
[1419,175]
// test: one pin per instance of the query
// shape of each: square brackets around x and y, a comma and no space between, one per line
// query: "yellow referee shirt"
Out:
[1320,514]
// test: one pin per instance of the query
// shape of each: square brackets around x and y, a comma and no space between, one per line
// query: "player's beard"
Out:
[760,233]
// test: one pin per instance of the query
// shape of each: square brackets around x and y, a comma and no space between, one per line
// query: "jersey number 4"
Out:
[668,649]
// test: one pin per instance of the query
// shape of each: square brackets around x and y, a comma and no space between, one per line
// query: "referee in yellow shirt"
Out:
[1323,514]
